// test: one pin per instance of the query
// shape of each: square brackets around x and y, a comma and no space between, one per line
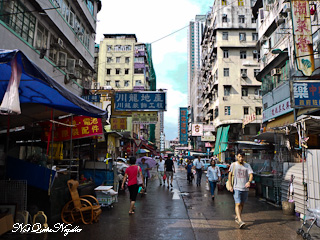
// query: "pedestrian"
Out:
[131,174]
[169,170]
[243,175]
[160,170]
[144,168]
[189,171]
[213,176]
[198,165]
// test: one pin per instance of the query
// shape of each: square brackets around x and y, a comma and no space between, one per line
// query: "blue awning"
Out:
[36,87]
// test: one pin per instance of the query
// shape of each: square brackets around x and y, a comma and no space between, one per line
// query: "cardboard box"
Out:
[6,223]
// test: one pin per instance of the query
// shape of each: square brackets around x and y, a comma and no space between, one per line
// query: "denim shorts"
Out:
[240,196]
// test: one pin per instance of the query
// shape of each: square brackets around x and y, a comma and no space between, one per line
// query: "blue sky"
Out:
[150,21]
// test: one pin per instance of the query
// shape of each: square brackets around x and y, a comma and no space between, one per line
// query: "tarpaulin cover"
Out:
[38,87]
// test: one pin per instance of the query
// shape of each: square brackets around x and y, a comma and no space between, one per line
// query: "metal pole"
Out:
[52,138]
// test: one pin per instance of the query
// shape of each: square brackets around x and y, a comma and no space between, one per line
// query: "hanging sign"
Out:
[306,94]
[197,129]
[302,33]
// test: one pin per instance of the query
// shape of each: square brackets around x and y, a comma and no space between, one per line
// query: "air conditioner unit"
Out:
[225,98]
[243,75]
[224,15]
[87,72]
[261,14]
[60,42]
[95,85]
[275,71]
[79,63]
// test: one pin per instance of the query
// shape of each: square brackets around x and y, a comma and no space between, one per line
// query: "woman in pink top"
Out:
[131,173]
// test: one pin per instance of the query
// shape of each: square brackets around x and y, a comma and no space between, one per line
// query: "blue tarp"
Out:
[38,87]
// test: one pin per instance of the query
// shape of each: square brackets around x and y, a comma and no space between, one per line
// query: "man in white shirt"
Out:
[160,169]
[198,165]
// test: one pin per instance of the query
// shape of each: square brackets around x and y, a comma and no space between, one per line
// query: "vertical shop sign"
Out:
[302,36]
[183,126]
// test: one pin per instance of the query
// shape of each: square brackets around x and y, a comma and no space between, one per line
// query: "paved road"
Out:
[166,214]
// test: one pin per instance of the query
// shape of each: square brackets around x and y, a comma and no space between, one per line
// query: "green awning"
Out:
[224,138]
[221,140]
[217,145]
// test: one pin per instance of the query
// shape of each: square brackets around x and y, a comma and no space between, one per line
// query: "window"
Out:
[244,92]
[258,111]
[243,72]
[108,83]
[256,54]
[42,37]
[117,83]
[256,72]
[138,83]
[226,72]
[241,19]
[253,20]
[254,36]
[109,59]
[90,6]
[71,18]
[245,110]
[240,3]
[22,23]
[225,36]
[109,48]
[128,47]
[225,53]
[62,59]
[227,90]
[139,59]
[127,60]
[108,71]
[224,18]
[138,71]
[126,71]
[117,59]
[126,83]
[242,36]
[223,2]
[243,54]
[227,110]
[117,71]
[257,92]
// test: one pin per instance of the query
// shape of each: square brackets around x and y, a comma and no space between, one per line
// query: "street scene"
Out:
[159,120]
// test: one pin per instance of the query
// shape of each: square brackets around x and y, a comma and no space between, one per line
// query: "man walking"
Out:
[169,170]
[243,176]
[160,170]
[198,165]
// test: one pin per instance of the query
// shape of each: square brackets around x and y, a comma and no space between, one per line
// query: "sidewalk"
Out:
[166,214]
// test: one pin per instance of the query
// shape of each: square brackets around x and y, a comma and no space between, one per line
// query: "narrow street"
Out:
[190,214]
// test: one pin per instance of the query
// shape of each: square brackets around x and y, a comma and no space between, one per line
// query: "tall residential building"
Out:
[58,36]
[195,32]
[230,62]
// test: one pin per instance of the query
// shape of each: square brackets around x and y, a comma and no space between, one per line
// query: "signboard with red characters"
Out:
[83,127]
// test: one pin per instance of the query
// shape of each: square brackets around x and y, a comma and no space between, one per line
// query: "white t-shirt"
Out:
[241,175]
[213,174]
[198,164]
[161,166]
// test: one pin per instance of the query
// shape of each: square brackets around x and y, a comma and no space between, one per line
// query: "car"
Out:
[206,162]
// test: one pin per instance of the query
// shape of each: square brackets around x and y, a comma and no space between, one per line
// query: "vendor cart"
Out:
[106,196]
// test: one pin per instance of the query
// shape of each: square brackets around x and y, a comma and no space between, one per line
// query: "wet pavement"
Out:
[184,212]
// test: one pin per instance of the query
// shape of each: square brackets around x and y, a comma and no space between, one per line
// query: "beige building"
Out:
[230,63]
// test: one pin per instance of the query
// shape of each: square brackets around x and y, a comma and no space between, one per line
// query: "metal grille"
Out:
[14,192]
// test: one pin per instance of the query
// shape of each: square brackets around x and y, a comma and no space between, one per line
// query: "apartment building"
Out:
[229,64]
[57,35]
[195,32]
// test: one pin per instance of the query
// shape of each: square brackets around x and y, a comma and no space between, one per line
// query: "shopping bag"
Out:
[164,177]
[207,187]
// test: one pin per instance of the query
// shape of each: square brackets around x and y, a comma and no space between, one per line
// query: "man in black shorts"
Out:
[169,170]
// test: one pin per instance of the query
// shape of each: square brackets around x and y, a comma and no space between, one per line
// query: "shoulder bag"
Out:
[230,182]
[139,178]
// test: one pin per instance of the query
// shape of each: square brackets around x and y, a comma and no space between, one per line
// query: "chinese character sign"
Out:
[82,127]
[197,129]
[302,36]
[118,123]
[145,117]
[140,101]
[183,121]
[306,94]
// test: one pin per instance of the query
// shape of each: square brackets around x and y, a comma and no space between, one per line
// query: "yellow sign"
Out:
[302,33]
[118,123]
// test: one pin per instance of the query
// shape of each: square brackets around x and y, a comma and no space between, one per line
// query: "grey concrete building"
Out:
[57,35]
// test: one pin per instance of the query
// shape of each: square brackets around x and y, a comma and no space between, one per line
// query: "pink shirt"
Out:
[132,172]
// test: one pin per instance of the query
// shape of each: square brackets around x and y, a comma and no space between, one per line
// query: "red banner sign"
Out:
[83,127]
